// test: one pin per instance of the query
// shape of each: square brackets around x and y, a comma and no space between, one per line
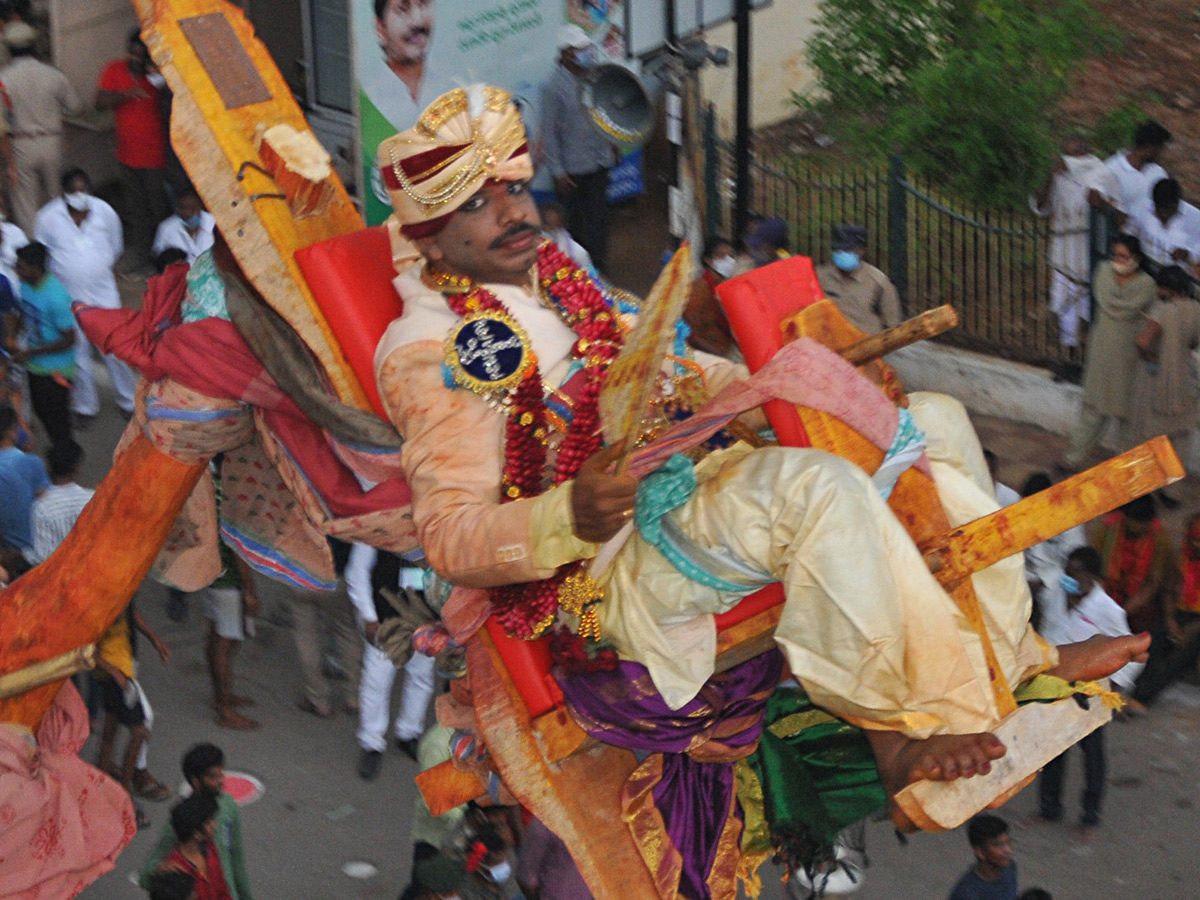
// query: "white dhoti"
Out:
[84,399]
[1070,300]
[866,628]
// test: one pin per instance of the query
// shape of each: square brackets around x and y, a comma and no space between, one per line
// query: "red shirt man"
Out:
[141,140]
[131,88]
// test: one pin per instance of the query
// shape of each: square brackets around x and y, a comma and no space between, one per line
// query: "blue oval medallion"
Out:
[489,350]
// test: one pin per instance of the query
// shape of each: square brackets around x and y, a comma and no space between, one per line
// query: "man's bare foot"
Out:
[1099,656]
[236,700]
[227,718]
[901,760]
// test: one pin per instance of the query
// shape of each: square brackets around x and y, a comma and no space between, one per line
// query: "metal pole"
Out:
[741,153]
[715,223]
[898,229]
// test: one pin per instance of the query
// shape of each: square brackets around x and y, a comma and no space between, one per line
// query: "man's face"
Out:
[212,781]
[188,206]
[138,56]
[1075,145]
[1134,528]
[78,185]
[404,30]
[998,851]
[493,237]
[1166,211]
[1075,569]
[27,273]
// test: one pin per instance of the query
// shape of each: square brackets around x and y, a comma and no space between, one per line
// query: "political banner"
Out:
[408,52]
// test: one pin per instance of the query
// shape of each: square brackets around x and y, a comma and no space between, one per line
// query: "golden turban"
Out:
[462,139]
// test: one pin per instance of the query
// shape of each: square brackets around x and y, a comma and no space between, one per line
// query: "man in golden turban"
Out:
[491,375]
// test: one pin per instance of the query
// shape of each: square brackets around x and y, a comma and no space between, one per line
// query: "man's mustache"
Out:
[418,30]
[511,232]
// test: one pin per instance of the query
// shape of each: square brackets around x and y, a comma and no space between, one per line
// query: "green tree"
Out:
[974,107]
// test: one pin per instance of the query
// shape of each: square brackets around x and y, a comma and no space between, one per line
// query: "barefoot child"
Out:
[125,704]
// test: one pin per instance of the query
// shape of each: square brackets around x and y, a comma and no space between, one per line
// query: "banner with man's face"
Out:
[408,52]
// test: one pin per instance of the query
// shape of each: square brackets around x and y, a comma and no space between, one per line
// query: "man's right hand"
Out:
[370,630]
[601,502]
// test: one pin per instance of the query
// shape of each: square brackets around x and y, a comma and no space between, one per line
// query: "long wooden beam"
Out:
[1078,499]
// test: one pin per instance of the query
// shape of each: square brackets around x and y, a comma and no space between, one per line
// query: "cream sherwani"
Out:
[866,628]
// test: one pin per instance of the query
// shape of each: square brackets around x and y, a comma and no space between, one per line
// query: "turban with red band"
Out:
[462,139]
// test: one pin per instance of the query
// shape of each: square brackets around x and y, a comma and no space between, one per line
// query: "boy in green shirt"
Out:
[204,769]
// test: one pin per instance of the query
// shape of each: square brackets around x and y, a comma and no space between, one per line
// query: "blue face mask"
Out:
[1070,585]
[194,221]
[588,57]
[846,260]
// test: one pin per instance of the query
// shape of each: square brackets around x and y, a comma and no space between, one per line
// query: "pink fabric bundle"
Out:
[62,822]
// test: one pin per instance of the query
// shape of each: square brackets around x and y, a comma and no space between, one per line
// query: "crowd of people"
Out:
[1129,576]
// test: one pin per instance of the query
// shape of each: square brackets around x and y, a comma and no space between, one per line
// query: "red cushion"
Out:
[755,304]
[351,279]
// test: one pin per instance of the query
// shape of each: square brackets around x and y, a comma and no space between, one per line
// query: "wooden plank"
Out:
[1035,734]
[213,121]
[446,786]
[579,798]
[928,324]
[1078,499]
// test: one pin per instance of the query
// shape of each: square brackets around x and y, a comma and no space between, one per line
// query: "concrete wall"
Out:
[777,37]
[84,36]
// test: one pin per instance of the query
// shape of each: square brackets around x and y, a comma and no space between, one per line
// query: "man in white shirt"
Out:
[56,509]
[1076,609]
[1168,226]
[1138,169]
[12,239]
[1077,182]
[189,230]
[368,571]
[83,234]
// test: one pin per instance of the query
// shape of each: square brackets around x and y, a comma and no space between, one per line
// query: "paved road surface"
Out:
[316,815]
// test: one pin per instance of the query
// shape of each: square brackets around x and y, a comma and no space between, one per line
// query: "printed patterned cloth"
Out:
[62,822]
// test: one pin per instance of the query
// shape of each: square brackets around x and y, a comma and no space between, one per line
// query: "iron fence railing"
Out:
[990,264]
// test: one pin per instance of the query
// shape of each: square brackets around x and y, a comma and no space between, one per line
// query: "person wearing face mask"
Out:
[84,237]
[861,292]
[1076,609]
[491,870]
[40,96]
[576,155]
[437,877]
[130,88]
[1123,292]
[1166,391]
[1077,182]
[703,314]
[190,229]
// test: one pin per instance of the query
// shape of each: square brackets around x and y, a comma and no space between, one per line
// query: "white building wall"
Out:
[778,33]
[85,35]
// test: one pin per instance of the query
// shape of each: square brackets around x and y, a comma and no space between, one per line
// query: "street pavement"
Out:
[316,816]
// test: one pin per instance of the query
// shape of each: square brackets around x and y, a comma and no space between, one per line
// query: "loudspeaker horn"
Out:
[618,105]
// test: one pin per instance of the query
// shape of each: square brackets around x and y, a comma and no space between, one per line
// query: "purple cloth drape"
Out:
[699,743]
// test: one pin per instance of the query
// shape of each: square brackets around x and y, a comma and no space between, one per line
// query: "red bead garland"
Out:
[526,610]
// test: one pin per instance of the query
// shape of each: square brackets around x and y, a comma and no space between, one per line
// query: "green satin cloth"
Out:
[817,775]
